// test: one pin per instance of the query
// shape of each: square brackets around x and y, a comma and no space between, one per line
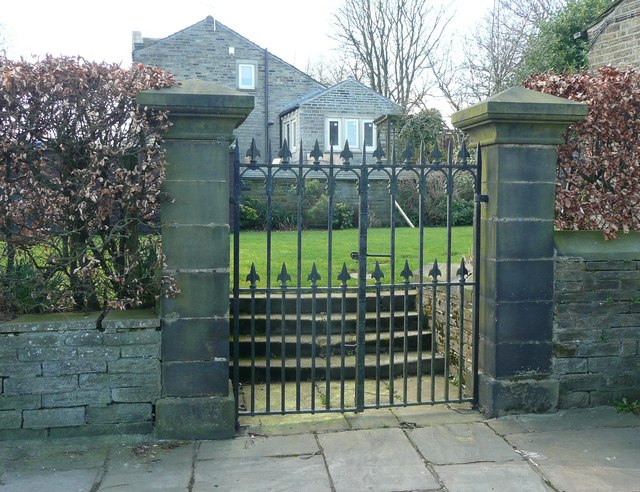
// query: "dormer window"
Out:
[246,76]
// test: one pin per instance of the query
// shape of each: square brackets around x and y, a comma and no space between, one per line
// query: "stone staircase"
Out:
[336,345]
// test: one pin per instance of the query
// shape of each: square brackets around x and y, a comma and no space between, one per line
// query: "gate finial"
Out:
[344,276]
[283,277]
[253,276]
[435,272]
[346,155]
[406,273]
[253,152]
[314,276]
[377,274]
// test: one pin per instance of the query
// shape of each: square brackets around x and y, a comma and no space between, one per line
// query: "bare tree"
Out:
[392,41]
[4,42]
[331,70]
[492,56]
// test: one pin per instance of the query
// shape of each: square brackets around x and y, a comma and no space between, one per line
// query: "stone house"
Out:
[288,103]
[614,37]
[343,112]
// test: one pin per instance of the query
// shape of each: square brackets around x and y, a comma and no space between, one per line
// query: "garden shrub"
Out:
[598,171]
[80,174]
[435,200]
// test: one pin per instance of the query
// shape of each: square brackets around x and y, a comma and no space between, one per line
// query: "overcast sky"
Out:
[294,30]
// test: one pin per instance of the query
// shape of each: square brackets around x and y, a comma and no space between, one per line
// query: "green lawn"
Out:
[315,249]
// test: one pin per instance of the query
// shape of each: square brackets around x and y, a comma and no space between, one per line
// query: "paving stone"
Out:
[482,477]
[381,459]
[258,446]
[51,480]
[436,415]
[162,466]
[290,473]
[461,443]
[372,419]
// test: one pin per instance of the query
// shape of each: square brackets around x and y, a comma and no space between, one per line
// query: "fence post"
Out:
[519,131]
[196,400]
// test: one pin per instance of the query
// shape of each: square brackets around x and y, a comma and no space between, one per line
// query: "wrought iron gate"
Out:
[366,330]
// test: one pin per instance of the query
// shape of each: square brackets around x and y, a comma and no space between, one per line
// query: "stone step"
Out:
[290,323]
[349,371]
[306,301]
[413,340]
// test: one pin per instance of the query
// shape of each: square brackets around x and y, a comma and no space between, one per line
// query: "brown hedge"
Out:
[598,185]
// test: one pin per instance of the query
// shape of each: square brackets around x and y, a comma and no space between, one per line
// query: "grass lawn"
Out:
[315,249]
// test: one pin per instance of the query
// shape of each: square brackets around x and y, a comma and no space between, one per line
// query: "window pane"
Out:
[351,130]
[368,134]
[333,132]
[246,74]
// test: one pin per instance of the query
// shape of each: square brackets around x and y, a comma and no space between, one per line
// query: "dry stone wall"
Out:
[66,375]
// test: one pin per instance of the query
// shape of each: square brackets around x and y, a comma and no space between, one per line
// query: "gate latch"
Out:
[481,199]
[356,256]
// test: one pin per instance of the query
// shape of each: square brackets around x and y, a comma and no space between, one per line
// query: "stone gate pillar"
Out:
[196,399]
[519,131]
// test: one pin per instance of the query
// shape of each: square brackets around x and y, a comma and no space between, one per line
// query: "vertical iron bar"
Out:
[476,275]
[253,348]
[314,289]
[392,279]
[236,276]
[421,190]
[299,280]
[447,337]
[378,344]
[327,372]
[269,190]
[283,349]
[362,281]
[343,341]
[405,344]
[461,341]
[434,338]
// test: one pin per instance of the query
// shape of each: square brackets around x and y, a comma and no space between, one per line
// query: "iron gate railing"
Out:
[347,340]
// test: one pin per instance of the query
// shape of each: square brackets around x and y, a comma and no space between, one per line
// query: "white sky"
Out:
[294,30]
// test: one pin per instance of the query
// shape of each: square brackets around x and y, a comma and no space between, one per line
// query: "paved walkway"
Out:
[416,448]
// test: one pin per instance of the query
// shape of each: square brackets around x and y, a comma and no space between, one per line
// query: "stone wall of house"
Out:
[66,375]
[615,40]
[349,99]
[211,51]
[596,323]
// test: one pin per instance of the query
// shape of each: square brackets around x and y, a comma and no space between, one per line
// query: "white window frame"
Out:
[291,133]
[354,143]
[247,65]
[373,145]
[327,139]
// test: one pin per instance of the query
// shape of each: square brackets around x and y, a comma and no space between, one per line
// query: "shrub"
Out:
[80,175]
[598,172]
[435,200]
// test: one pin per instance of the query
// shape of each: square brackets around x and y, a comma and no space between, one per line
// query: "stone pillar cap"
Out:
[519,115]
[197,96]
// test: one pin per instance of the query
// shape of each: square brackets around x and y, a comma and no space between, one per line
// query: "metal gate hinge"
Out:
[481,199]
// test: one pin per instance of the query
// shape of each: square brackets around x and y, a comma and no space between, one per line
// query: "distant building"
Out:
[614,37]
[288,103]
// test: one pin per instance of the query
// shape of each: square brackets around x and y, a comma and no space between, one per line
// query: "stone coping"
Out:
[591,245]
[114,320]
